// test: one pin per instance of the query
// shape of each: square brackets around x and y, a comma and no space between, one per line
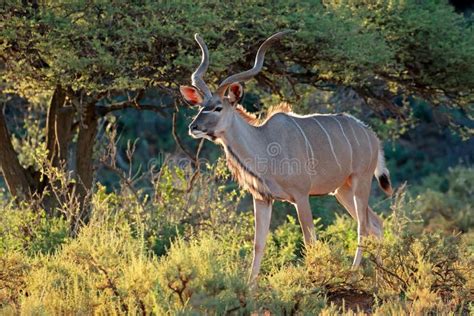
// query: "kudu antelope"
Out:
[289,156]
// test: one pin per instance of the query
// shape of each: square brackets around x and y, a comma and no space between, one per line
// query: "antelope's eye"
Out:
[218,109]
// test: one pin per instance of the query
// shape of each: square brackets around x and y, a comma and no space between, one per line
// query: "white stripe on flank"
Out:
[370,146]
[308,144]
[364,128]
[329,139]
[343,133]
[353,132]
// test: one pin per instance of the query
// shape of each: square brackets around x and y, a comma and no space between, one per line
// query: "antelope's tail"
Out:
[382,174]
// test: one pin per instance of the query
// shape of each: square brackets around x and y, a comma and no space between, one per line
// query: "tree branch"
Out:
[104,110]
[135,102]
[178,140]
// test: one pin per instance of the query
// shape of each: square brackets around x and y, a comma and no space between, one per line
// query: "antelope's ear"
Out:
[235,93]
[191,94]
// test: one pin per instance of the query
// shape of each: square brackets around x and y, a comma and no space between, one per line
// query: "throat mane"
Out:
[245,177]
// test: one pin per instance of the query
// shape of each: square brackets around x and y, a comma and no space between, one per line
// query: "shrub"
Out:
[446,204]
[30,230]
[203,276]
[104,270]
[288,290]
[14,268]
[134,257]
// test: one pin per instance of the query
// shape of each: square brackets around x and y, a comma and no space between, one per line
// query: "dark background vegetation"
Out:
[93,137]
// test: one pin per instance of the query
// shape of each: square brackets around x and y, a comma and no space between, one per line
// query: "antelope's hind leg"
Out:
[354,196]
[345,196]
[305,217]
[375,224]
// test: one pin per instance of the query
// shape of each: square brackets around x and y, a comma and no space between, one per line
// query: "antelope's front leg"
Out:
[303,208]
[263,214]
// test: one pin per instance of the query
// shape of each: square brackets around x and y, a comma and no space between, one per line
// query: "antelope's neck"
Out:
[242,144]
[241,138]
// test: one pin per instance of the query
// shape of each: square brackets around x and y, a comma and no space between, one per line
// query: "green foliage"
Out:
[447,203]
[426,39]
[285,245]
[73,43]
[288,290]
[208,205]
[32,231]
[87,276]
[30,144]
[204,276]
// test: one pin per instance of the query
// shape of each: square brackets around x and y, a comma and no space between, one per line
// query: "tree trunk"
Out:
[58,128]
[18,180]
[85,164]
[58,136]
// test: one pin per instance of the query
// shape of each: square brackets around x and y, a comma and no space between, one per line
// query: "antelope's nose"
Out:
[193,127]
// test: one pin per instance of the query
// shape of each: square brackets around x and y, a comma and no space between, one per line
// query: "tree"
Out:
[96,57]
